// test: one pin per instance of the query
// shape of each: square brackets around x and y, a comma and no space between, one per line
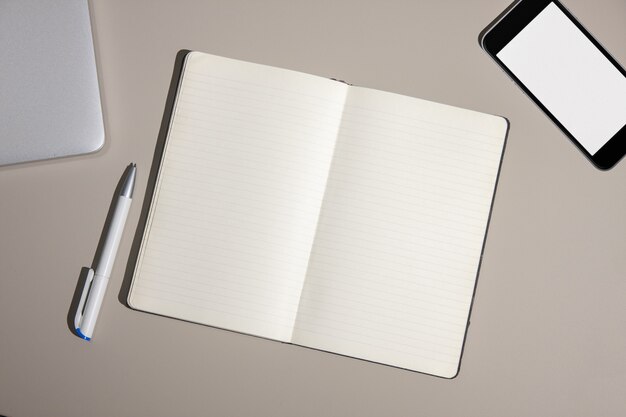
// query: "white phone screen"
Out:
[569,76]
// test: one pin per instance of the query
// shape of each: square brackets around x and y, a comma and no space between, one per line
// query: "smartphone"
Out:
[566,72]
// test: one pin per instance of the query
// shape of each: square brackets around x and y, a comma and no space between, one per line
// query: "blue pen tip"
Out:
[82,335]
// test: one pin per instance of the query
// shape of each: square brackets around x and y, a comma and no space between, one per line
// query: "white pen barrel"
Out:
[104,266]
[114,235]
[92,307]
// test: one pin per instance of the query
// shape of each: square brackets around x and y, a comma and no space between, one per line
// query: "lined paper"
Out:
[296,208]
[238,196]
[400,235]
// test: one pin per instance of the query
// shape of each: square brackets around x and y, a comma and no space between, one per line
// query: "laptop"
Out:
[49,101]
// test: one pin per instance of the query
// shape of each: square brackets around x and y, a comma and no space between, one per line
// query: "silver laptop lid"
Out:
[49,97]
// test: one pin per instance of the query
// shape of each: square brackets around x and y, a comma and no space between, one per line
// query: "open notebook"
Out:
[305,210]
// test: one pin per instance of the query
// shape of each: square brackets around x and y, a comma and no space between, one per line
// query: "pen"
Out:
[98,277]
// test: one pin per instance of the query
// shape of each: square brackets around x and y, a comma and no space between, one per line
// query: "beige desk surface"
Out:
[548,327]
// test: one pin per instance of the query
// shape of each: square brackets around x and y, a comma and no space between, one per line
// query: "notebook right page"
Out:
[400,235]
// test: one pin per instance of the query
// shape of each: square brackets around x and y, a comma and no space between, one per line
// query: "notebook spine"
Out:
[341,81]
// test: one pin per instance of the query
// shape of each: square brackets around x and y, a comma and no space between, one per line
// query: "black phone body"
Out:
[566,72]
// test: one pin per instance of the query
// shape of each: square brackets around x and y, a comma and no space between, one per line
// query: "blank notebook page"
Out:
[238,196]
[400,236]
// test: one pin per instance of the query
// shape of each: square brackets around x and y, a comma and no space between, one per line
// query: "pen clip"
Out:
[83,297]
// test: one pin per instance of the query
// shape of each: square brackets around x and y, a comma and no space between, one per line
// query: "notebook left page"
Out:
[237,199]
